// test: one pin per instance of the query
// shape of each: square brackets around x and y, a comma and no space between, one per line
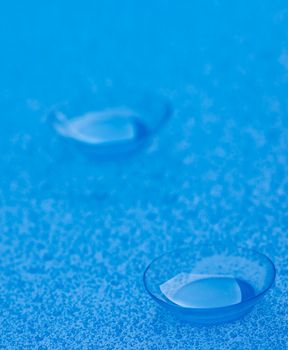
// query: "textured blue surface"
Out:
[76,236]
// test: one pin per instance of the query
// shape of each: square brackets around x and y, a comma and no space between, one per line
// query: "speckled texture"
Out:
[75,236]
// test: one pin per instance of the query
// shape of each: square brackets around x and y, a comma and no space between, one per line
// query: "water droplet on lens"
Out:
[205,291]
[107,132]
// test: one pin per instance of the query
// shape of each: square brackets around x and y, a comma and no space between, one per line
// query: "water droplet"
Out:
[205,291]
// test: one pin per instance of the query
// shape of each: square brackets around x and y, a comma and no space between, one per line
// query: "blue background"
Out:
[75,236]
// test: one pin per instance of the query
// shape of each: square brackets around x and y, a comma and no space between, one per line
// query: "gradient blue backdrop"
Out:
[75,236]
